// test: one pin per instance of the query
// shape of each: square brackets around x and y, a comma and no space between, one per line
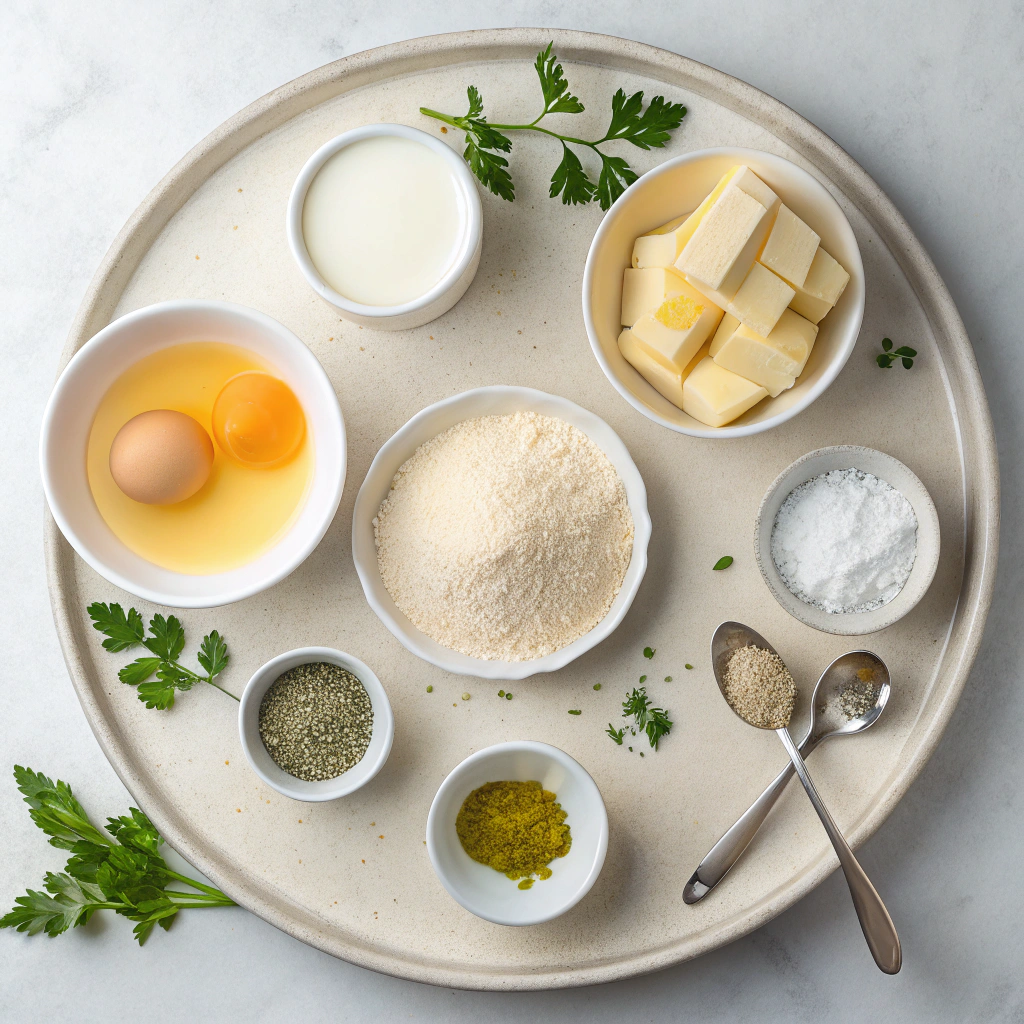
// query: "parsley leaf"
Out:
[213,654]
[616,734]
[122,631]
[616,177]
[571,180]
[557,98]
[168,639]
[489,168]
[650,129]
[644,128]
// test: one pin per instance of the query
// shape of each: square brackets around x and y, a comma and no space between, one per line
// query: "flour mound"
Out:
[505,537]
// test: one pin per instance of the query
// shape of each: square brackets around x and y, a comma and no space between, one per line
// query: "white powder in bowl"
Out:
[505,537]
[845,541]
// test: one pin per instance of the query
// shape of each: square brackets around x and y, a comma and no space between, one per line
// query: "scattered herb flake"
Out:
[649,652]
[616,734]
[688,666]
[508,696]
[597,686]
[668,679]
[575,712]
[430,689]
[888,356]
[723,563]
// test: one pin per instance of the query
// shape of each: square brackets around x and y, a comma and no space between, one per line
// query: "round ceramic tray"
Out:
[353,877]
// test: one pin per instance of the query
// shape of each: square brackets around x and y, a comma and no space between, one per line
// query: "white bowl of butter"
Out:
[665,195]
[385,223]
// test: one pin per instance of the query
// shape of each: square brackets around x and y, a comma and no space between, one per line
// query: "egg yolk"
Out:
[257,420]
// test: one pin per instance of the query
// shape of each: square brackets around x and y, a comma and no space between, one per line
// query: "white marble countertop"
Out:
[100,99]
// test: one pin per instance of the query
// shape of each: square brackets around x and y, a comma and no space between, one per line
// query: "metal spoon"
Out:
[874,919]
[827,721]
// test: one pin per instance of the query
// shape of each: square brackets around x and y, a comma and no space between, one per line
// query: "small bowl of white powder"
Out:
[501,532]
[847,539]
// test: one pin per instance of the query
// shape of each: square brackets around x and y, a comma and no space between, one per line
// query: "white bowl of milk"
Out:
[385,223]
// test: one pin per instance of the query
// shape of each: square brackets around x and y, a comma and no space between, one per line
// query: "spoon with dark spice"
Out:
[849,697]
[758,687]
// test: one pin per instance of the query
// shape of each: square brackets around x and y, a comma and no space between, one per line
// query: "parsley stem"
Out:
[208,889]
[221,688]
[531,127]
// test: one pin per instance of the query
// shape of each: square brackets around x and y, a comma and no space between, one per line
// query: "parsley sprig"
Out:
[125,873]
[630,122]
[165,643]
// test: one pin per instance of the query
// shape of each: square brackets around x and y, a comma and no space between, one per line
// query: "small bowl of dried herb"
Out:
[315,724]
[518,833]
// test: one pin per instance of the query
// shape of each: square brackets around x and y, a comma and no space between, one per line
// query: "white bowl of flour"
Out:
[847,539]
[430,545]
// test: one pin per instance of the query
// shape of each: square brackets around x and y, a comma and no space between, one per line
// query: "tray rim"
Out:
[964,392]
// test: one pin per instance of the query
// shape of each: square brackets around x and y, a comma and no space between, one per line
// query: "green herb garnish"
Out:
[888,356]
[165,643]
[687,666]
[668,679]
[575,712]
[649,652]
[125,874]
[616,734]
[646,129]
[723,563]
[597,686]
[653,721]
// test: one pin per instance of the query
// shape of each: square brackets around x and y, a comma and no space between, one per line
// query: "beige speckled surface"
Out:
[330,879]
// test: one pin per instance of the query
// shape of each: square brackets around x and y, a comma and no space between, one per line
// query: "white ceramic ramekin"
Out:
[484,891]
[894,473]
[498,400]
[448,290]
[677,187]
[263,764]
[77,395]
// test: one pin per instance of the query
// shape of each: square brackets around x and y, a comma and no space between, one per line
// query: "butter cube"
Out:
[774,361]
[746,180]
[674,332]
[716,396]
[825,283]
[667,382]
[760,300]
[723,248]
[790,247]
[645,290]
[661,247]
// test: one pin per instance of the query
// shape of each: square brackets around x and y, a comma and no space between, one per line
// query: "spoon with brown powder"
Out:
[757,685]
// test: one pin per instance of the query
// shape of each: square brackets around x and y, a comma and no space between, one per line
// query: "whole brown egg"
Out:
[161,457]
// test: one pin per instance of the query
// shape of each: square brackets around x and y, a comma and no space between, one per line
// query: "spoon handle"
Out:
[875,921]
[724,854]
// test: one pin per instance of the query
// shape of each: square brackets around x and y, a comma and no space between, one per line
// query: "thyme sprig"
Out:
[630,122]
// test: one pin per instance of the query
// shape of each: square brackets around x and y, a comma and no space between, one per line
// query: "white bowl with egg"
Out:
[677,187]
[492,401]
[894,473]
[77,395]
[385,223]
[263,764]
[488,893]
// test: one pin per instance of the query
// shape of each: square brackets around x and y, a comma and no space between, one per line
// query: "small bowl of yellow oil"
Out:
[193,453]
